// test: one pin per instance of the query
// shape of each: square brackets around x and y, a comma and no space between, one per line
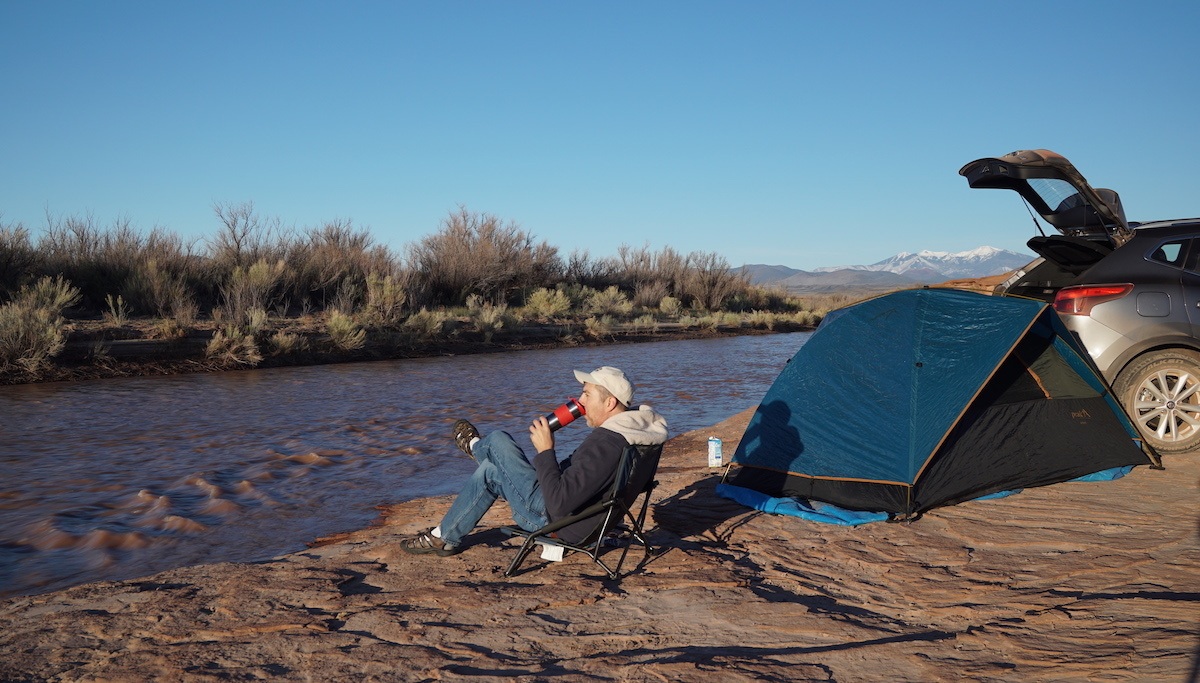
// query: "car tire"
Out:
[1161,392]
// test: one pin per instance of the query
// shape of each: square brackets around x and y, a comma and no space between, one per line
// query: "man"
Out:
[545,490]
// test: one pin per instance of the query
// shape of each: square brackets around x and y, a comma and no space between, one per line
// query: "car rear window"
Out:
[1171,253]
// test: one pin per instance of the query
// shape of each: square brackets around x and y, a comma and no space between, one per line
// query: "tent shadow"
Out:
[696,513]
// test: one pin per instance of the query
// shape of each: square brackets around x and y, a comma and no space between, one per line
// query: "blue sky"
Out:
[794,133]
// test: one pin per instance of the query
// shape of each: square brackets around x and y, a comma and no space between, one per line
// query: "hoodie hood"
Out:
[641,427]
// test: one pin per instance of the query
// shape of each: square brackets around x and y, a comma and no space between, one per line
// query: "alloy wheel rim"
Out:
[1167,405]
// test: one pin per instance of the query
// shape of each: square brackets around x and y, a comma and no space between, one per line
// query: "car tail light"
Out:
[1081,299]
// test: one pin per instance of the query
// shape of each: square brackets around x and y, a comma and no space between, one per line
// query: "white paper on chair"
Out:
[553,553]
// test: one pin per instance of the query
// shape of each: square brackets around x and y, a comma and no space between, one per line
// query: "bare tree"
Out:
[244,237]
[710,280]
[17,257]
[476,253]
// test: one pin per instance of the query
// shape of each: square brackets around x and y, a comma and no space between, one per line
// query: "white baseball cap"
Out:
[610,378]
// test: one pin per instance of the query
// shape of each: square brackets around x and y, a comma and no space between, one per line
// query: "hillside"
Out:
[902,270]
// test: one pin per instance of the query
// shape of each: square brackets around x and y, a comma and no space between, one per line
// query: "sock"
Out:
[437,531]
[473,442]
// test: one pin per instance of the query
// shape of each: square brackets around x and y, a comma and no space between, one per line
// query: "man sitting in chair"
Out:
[546,490]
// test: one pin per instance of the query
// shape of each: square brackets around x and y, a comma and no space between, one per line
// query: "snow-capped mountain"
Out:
[940,265]
[901,270]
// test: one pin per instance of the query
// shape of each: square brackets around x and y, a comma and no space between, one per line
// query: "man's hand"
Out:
[540,435]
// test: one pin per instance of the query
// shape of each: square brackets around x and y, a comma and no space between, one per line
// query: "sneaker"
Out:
[425,543]
[464,433]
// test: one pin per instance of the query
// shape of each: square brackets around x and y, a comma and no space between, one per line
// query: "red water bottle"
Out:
[564,414]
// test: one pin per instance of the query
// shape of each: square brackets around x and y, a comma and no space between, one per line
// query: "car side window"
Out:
[1171,253]
[1193,255]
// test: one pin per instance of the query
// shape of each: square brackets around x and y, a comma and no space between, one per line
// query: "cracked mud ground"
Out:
[1078,581]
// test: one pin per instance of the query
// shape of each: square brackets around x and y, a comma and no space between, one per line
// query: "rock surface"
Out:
[1078,581]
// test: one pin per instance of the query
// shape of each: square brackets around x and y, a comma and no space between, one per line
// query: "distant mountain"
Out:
[902,270]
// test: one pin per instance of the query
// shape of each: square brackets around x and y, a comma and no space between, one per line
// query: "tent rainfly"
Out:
[931,397]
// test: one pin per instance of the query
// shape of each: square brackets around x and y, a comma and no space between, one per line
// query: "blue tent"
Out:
[930,397]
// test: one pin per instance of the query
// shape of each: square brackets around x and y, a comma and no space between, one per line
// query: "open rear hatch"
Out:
[1091,221]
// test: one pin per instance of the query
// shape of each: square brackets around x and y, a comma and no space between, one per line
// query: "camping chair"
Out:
[635,477]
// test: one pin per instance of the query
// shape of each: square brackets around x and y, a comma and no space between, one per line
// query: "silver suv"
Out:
[1129,291]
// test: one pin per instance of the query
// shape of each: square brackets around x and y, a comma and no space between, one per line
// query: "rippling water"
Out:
[114,479]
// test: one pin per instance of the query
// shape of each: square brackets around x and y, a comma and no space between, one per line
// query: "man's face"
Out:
[592,400]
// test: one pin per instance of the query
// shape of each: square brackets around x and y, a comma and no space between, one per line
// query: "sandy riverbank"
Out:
[1078,581]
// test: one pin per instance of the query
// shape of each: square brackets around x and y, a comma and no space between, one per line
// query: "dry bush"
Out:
[489,318]
[118,312]
[611,301]
[477,253]
[151,287]
[245,237]
[670,307]
[322,259]
[169,328]
[582,270]
[98,261]
[386,297]
[547,304]
[283,343]
[31,325]
[18,259]
[636,268]
[710,280]
[250,290]
[758,298]
[344,333]
[427,325]
[598,328]
[649,294]
[232,346]
[763,320]
[645,323]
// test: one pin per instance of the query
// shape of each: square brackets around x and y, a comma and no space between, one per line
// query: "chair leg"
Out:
[526,547]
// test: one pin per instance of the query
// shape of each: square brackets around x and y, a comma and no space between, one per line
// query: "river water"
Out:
[114,479]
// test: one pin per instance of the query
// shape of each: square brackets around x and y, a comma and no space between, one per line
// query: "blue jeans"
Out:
[503,472]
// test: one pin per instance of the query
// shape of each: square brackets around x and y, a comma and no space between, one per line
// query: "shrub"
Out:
[670,307]
[645,323]
[29,337]
[117,313]
[710,280]
[344,332]
[650,294]
[385,301]
[489,319]
[231,346]
[17,257]
[598,327]
[153,288]
[169,328]
[478,253]
[427,324]
[282,343]
[547,304]
[611,301]
[761,320]
[245,237]
[251,289]
[31,325]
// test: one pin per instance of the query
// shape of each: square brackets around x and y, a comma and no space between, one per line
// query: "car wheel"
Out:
[1161,392]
